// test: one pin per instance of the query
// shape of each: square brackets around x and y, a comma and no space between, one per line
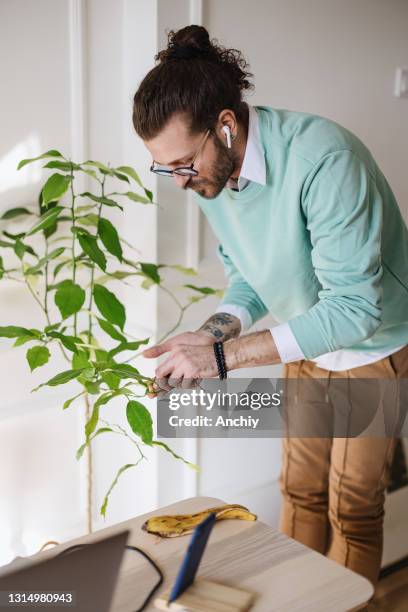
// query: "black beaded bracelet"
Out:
[220,359]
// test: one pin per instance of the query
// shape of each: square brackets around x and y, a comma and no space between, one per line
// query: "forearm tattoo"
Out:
[222,326]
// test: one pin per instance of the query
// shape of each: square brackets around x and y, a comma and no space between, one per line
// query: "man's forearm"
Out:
[221,326]
[251,350]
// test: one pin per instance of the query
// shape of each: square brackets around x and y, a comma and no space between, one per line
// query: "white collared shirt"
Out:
[254,170]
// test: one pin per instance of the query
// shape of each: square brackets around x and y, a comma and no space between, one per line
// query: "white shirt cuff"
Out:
[286,343]
[237,311]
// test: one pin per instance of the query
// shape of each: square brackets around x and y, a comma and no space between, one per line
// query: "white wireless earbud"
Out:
[227,133]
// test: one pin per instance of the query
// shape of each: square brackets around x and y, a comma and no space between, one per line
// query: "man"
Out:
[309,231]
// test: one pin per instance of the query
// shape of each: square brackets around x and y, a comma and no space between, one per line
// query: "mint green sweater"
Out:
[322,245]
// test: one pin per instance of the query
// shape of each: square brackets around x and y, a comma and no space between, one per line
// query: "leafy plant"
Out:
[68,254]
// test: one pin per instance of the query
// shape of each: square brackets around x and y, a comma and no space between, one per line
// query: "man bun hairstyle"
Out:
[194,75]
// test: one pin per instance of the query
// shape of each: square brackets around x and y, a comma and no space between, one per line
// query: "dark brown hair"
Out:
[194,75]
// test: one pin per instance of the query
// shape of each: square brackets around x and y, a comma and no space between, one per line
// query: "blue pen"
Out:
[192,558]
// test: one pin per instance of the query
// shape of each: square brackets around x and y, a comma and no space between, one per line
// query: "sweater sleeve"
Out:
[239,292]
[343,211]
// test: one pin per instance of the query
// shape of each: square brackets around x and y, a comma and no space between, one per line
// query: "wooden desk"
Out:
[286,575]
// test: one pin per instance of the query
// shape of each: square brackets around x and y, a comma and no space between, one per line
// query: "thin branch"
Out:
[93,271]
[73,196]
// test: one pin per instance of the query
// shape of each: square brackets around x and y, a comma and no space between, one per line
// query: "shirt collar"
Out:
[253,167]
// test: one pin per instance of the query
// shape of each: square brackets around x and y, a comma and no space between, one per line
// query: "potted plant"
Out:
[68,253]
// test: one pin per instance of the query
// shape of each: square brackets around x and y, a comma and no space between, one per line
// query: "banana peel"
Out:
[174,525]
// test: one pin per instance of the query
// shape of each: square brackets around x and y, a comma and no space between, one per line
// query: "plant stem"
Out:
[46,280]
[93,272]
[123,432]
[89,505]
[73,240]
[37,299]
[13,278]
[87,401]
[180,317]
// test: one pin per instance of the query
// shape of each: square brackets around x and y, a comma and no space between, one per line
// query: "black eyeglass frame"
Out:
[182,170]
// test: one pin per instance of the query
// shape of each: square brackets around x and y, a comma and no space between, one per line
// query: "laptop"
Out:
[88,573]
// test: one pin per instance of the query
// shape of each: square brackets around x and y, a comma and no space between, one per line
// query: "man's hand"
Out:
[177,347]
[191,338]
[177,370]
[186,362]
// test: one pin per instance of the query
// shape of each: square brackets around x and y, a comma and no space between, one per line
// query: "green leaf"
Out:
[88,374]
[109,306]
[101,200]
[203,290]
[118,275]
[113,485]
[68,402]
[1,268]
[19,249]
[83,446]
[63,377]
[183,269]
[194,466]
[55,187]
[69,298]
[66,166]
[61,265]
[15,212]
[140,420]
[120,176]
[6,245]
[60,379]
[97,165]
[12,331]
[37,356]
[90,245]
[51,229]
[50,153]
[23,340]
[93,387]
[110,238]
[46,220]
[101,401]
[127,346]
[125,370]
[150,271]
[80,361]
[103,169]
[109,329]
[53,255]
[110,379]
[149,194]
[84,208]
[147,283]
[70,342]
[91,173]
[135,197]
[52,327]
[91,219]
[129,171]
[90,426]
[13,236]
[102,355]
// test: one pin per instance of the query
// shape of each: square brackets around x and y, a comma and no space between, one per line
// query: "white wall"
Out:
[35,111]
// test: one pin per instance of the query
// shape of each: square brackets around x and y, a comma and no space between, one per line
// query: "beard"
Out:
[221,169]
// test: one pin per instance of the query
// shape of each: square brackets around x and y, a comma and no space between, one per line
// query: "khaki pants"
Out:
[333,487]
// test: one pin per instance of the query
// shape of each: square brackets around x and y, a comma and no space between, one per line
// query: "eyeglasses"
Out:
[181,170]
